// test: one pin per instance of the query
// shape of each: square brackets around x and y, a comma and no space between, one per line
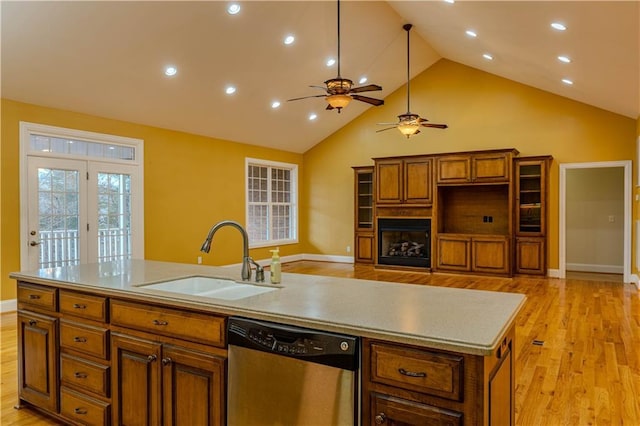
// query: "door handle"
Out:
[34,243]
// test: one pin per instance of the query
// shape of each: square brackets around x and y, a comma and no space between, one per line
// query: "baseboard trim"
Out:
[553,273]
[10,305]
[328,258]
[602,269]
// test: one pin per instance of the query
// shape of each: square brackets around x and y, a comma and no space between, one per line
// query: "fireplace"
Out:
[404,242]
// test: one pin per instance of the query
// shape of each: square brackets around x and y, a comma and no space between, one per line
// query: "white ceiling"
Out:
[107,58]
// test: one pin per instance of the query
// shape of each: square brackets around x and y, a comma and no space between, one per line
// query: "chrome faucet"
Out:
[246,260]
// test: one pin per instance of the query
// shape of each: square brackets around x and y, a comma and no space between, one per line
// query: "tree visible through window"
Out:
[271,202]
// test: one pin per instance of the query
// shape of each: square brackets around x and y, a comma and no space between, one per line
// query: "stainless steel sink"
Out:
[217,288]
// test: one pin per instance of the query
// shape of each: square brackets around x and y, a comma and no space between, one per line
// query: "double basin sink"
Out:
[217,288]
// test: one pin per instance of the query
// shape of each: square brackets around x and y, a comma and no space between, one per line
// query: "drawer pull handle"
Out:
[411,373]
[152,358]
[380,418]
[80,339]
[166,361]
[79,306]
[32,322]
[34,296]
[80,410]
[79,375]
[159,322]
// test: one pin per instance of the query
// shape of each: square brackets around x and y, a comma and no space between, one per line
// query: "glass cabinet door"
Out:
[364,200]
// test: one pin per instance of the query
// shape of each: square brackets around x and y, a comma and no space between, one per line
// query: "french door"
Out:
[81,197]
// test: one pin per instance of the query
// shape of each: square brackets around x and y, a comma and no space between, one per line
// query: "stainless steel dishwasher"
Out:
[288,376]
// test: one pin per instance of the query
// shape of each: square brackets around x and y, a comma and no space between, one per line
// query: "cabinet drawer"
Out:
[200,328]
[83,409]
[84,338]
[84,374]
[84,305]
[427,372]
[390,410]
[43,297]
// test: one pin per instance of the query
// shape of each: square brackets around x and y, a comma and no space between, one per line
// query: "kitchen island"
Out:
[153,349]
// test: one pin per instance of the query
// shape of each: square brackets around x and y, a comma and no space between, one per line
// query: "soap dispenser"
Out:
[275,266]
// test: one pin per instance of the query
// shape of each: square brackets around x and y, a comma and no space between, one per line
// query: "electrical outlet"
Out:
[348,249]
[199,260]
[612,218]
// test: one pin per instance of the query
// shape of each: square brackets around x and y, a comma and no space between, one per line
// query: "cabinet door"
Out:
[392,411]
[490,254]
[454,253]
[193,387]
[454,169]
[417,181]
[530,256]
[389,181]
[491,167]
[364,248]
[363,198]
[531,199]
[136,381]
[501,385]
[37,360]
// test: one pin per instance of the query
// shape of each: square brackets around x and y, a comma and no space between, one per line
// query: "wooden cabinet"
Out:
[38,360]
[531,189]
[409,385]
[480,253]
[485,167]
[364,214]
[160,370]
[404,180]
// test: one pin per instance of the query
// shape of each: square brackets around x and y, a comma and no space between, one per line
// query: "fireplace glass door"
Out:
[404,242]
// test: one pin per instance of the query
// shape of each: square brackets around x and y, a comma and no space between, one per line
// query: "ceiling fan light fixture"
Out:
[409,128]
[338,101]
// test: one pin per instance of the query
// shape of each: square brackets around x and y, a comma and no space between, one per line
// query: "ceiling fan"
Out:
[410,123]
[340,91]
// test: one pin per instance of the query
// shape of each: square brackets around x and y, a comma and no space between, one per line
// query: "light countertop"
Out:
[460,320]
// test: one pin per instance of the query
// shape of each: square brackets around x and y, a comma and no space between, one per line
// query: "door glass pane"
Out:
[58,217]
[114,216]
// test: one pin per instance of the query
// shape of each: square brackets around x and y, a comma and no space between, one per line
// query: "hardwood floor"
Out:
[586,371]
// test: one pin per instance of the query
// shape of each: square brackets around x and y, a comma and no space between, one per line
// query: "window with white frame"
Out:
[272,208]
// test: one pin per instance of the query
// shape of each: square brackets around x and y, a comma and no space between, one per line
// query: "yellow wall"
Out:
[190,181]
[483,111]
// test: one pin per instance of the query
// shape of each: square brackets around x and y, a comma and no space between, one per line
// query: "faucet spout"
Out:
[246,266]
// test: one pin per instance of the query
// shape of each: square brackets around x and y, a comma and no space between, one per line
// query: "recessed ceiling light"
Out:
[233,9]
[313,116]
[487,57]
[230,90]
[558,26]
[471,33]
[331,62]
[450,1]
[564,59]
[362,80]
[275,104]
[567,82]
[170,71]
[289,39]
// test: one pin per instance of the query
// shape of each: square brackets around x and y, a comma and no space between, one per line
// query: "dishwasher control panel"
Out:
[295,342]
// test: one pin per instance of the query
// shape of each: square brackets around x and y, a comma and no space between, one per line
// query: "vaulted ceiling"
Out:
[108,58]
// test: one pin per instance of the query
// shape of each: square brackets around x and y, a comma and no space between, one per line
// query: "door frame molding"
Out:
[27,128]
[562,242]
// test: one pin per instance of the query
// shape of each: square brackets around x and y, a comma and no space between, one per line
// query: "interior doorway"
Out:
[595,218]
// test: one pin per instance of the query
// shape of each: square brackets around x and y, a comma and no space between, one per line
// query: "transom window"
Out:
[272,209]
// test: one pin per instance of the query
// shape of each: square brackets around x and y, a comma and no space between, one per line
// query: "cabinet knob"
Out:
[79,306]
[80,410]
[160,322]
[152,358]
[380,418]
[166,361]
[34,296]
[32,322]
[79,375]
[78,339]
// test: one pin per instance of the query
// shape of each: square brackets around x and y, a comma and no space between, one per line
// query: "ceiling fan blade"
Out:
[318,87]
[382,130]
[372,101]
[367,88]
[437,126]
[307,97]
